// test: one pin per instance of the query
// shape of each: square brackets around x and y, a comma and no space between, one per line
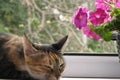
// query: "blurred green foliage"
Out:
[12,16]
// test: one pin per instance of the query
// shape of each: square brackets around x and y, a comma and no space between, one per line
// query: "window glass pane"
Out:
[46,21]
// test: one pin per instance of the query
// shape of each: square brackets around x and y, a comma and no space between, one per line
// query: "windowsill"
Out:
[92,65]
[87,79]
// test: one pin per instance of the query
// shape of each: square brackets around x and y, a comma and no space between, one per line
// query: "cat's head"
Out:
[44,62]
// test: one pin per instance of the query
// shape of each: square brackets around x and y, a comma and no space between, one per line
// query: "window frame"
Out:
[91,65]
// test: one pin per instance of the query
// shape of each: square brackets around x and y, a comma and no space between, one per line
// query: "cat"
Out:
[23,60]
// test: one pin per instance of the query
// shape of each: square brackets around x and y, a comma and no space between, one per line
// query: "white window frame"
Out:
[92,65]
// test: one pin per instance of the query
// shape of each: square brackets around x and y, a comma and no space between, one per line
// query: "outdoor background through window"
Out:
[46,21]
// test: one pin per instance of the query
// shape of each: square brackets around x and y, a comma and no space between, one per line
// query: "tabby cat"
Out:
[21,59]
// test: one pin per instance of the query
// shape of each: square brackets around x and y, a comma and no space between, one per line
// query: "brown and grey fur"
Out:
[21,59]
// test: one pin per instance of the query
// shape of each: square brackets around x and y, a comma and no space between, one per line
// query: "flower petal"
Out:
[98,17]
[90,33]
[80,17]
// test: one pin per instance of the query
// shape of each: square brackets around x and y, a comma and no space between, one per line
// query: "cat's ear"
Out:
[27,46]
[58,45]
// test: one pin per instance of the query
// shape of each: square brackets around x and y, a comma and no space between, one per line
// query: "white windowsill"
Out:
[91,67]
[86,79]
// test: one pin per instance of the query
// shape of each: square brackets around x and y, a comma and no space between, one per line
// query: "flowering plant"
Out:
[101,23]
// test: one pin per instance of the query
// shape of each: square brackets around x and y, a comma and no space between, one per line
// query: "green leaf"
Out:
[107,36]
[104,31]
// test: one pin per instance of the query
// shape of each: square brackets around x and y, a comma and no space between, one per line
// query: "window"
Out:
[46,21]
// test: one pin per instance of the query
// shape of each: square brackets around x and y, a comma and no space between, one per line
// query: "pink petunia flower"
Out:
[98,16]
[103,6]
[99,1]
[80,17]
[90,33]
[105,1]
[118,4]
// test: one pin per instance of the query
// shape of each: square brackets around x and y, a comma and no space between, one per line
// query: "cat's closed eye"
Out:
[62,66]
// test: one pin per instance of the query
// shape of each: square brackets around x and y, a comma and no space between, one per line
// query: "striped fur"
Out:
[21,59]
